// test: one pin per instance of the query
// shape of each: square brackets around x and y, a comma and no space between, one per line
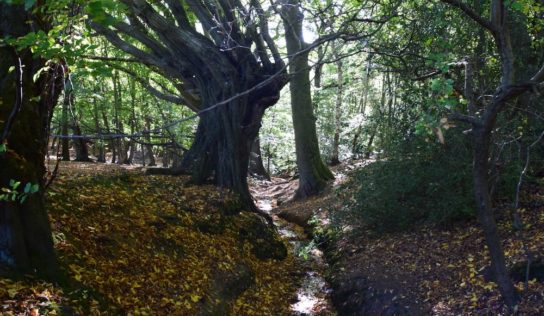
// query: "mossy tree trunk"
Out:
[26,245]
[313,172]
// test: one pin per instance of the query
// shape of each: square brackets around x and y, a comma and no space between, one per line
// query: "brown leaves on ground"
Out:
[149,245]
[433,270]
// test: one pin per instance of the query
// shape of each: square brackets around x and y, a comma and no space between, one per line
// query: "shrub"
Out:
[422,182]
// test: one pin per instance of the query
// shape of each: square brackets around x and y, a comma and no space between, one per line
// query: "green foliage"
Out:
[12,193]
[425,182]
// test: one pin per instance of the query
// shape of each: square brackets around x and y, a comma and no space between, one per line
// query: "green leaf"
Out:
[23,199]
[3,148]
[35,188]
[27,188]
[17,184]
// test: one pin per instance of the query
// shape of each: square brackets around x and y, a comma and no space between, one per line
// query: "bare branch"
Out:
[471,14]
[464,118]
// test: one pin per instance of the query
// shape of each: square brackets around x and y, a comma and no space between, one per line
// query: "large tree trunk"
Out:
[26,245]
[482,137]
[224,138]
[211,69]
[313,172]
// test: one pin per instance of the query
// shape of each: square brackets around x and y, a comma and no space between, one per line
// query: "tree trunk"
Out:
[313,173]
[64,130]
[26,244]
[225,135]
[119,129]
[132,143]
[338,114]
[234,85]
[166,157]
[362,106]
[149,147]
[256,167]
[482,137]
[370,142]
[80,144]
[111,141]
[101,153]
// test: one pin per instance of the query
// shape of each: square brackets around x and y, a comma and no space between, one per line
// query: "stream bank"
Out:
[332,285]
[314,292]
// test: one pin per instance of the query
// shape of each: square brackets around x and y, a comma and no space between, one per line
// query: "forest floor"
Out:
[135,244]
[141,245]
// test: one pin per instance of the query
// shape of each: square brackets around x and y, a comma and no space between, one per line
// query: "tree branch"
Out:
[170,97]
[473,15]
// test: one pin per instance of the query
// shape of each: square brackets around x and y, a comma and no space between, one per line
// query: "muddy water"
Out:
[314,291]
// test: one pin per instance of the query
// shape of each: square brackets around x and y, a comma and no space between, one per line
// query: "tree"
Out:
[338,113]
[215,73]
[26,104]
[483,116]
[312,170]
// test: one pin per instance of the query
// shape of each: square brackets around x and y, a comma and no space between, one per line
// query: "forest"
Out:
[280,157]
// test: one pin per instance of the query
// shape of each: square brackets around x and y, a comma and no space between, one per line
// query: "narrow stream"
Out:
[314,292]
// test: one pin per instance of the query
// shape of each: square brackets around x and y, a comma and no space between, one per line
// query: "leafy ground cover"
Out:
[142,245]
[427,270]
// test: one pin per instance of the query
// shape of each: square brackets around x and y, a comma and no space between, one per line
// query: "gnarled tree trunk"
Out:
[218,74]
[226,134]
[26,245]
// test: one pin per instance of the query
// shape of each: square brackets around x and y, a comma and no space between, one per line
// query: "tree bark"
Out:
[256,166]
[482,138]
[26,245]
[225,136]
[313,172]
